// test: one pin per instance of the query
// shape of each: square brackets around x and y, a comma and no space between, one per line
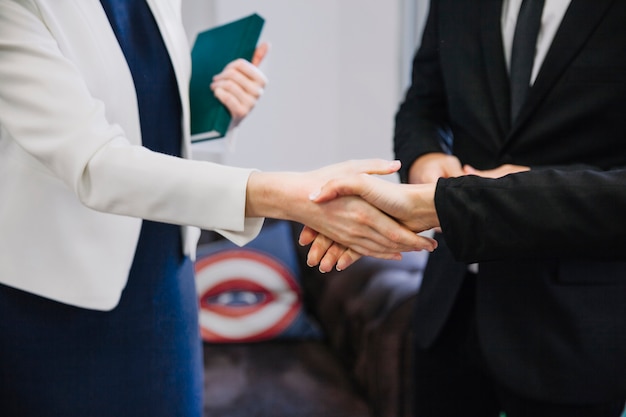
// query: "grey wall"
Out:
[337,71]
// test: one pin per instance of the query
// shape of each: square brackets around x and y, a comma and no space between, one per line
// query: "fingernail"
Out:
[314,194]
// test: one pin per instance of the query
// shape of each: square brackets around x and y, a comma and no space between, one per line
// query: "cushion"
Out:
[252,293]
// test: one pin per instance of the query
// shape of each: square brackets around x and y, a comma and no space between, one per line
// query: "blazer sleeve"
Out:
[542,214]
[48,110]
[421,124]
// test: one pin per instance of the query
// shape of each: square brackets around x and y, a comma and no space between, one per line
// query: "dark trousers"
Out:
[452,379]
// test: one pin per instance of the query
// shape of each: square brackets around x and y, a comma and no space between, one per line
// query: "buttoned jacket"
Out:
[551,321]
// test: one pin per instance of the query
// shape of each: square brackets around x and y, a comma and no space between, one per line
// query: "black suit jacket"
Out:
[551,304]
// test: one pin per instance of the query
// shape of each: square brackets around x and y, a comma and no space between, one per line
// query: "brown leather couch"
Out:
[361,367]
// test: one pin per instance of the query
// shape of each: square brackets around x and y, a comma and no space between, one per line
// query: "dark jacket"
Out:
[551,303]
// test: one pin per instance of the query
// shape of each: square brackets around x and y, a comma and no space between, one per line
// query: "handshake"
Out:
[347,211]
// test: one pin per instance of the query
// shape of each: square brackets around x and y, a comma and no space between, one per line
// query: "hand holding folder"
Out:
[212,51]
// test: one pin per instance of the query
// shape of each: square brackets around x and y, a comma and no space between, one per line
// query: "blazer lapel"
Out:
[494,61]
[579,21]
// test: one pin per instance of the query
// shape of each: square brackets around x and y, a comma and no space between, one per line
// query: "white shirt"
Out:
[553,12]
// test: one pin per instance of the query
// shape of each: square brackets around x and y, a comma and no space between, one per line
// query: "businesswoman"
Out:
[97,301]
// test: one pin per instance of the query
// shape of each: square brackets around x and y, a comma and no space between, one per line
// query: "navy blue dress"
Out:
[144,357]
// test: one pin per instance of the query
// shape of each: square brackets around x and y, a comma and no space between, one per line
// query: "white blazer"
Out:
[75,181]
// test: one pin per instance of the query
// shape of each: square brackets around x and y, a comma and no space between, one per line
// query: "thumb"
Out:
[259,53]
[338,187]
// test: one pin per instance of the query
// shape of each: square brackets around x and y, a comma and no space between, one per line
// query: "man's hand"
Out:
[430,167]
[240,85]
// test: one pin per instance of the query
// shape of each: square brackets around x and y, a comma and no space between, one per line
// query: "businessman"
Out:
[543,335]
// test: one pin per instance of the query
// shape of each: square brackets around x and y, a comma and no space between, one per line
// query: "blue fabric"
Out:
[144,357]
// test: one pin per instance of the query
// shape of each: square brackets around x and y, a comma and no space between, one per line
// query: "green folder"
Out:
[212,51]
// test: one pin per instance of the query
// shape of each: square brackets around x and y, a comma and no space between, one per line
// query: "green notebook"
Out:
[212,51]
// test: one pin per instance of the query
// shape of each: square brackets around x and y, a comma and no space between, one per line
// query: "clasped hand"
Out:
[349,221]
[411,205]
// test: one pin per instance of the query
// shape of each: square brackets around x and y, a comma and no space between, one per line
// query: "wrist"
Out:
[425,209]
[261,191]
[273,195]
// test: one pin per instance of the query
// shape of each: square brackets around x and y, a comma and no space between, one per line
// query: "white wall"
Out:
[337,71]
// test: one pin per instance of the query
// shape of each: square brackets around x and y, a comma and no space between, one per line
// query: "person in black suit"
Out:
[522,307]
[543,334]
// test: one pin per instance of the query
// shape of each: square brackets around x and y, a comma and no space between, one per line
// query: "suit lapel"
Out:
[579,21]
[495,65]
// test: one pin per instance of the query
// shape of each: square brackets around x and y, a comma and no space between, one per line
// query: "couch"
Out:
[345,353]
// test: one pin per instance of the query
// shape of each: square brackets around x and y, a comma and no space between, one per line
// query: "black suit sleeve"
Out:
[536,214]
[421,124]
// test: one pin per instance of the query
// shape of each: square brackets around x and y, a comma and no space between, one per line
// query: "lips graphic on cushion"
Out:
[245,296]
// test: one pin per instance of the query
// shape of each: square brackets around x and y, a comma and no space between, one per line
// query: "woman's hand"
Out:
[325,252]
[240,85]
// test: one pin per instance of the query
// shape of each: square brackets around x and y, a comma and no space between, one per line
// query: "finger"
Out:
[374,166]
[235,99]
[367,226]
[246,68]
[332,255]
[240,100]
[259,53]
[427,244]
[387,238]
[348,258]
[252,87]
[469,170]
[388,249]
[384,234]
[307,236]
[318,249]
